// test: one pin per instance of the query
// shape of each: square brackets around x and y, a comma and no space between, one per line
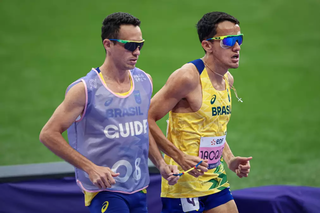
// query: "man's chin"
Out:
[130,67]
[234,66]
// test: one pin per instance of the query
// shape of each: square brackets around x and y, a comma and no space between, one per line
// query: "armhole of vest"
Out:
[80,117]
[199,65]
[151,84]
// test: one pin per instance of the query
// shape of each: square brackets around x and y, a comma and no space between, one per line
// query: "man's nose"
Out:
[136,51]
[236,46]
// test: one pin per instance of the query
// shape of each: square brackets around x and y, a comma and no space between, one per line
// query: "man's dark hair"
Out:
[207,26]
[111,24]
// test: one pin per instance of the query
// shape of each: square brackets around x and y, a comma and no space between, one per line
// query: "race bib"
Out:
[211,149]
[190,204]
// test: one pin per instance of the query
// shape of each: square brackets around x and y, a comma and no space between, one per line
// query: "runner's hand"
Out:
[167,172]
[102,177]
[189,161]
[240,165]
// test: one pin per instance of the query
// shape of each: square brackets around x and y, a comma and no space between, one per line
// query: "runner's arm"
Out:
[239,165]
[62,118]
[155,156]
[51,136]
[177,87]
[227,154]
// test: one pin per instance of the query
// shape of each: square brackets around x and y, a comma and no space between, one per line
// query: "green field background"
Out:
[46,45]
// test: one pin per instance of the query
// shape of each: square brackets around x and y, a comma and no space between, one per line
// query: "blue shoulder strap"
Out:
[199,64]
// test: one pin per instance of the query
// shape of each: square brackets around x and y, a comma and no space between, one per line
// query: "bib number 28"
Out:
[129,170]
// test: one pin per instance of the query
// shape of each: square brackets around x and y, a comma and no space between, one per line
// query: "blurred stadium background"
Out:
[46,45]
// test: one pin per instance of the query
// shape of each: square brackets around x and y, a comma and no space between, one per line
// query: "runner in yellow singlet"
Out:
[198,99]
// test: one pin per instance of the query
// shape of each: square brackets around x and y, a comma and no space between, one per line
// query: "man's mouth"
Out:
[236,56]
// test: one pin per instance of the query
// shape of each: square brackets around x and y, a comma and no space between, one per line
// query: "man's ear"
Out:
[207,45]
[106,43]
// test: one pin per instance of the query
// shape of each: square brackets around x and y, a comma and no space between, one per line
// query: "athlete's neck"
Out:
[216,71]
[111,72]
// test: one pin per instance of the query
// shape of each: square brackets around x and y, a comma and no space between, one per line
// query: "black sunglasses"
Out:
[130,45]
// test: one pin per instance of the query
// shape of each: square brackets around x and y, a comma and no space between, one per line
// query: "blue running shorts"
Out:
[174,205]
[114,202]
